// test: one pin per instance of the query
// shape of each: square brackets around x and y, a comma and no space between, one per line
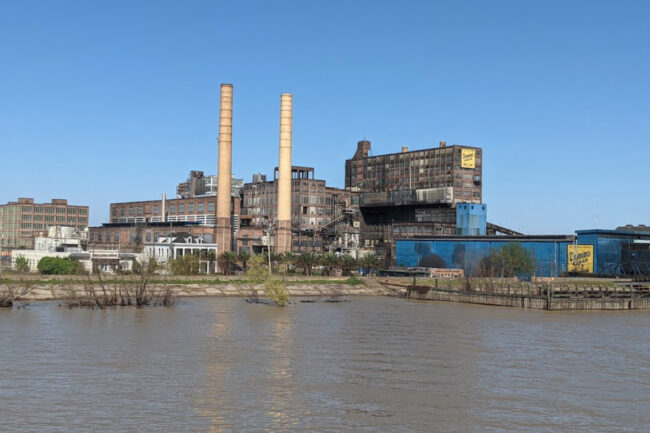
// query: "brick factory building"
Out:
[412,191]
[315,209]
[23,220]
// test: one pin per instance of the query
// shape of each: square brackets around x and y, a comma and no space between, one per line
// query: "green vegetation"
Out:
[58,266]
[369,261]
[307,261]
[226,260]
[510,260]
[185,265]
[22,264]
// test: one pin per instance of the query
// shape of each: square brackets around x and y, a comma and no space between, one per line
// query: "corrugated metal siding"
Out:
[550,256]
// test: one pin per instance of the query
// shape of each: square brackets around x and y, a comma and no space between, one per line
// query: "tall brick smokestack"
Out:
[284,175]
[223,233]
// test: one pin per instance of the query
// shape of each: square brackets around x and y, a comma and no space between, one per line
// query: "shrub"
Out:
[58,266]
[22,264]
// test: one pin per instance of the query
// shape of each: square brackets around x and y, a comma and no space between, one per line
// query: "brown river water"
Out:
[370,365]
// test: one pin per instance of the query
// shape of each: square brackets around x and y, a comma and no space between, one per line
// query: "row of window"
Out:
[191,208]
[58,210]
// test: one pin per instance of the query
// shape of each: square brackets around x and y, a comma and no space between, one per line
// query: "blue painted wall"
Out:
[471,219]
[550,256]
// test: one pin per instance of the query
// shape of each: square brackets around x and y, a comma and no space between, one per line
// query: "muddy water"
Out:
[371,365]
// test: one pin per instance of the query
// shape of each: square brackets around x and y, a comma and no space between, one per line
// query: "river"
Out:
[370,365]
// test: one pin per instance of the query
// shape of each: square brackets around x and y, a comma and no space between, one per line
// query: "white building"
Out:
[182,244]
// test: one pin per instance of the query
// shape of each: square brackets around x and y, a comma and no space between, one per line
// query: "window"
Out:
[116,237]
[140,210]
[122,211]
[60,210]
[114,211]
[200,207]
[130,211]
[72,210]
[155,209]
[27,226]
[72,219]
[148,237]
[99,237]
[190,208]
[181,208]
[211,207]
[172,208]
[60,219]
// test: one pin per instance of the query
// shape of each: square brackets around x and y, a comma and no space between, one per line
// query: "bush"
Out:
[185,265]
[58,266]
[22,264]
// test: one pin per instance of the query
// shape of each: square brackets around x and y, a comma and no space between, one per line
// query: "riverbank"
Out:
[65,287]
[555,295]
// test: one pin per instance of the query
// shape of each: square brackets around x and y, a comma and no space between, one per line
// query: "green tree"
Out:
[227,260]
[22,264]
[348,263]
[185,265]
[517,260]
[287,259]
[58,266]
[510,260]
[330,261]
[307,261]
[244,256]
[369,261]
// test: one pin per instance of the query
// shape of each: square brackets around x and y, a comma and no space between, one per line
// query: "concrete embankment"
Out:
[535,302]
[64,290]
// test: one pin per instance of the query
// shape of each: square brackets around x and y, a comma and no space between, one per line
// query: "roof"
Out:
[493,238]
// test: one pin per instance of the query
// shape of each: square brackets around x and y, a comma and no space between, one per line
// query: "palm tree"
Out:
[227,258]
[244,256]
[369,261]
[330,261]
[287,259]
[348,263]
[307,260]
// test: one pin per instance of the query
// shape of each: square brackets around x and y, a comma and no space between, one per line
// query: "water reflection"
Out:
[371,365]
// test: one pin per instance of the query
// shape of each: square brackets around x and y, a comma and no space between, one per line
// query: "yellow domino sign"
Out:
[580,258]
[468,158]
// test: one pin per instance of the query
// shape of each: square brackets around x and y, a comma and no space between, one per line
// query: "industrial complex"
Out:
[413,208]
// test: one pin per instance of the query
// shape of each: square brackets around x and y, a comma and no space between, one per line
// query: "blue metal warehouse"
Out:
[618,252]
[464,252]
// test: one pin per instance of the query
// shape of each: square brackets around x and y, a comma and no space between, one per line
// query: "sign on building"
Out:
[580,258]
[468,158]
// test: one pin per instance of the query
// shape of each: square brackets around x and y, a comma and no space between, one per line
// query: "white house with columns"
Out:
[177,245]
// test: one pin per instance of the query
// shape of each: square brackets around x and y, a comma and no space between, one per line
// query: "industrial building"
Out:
[597,252]
[316,212]
[23,220]
[415,193]
[200,185]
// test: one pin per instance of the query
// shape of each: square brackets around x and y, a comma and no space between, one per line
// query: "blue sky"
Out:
[115,101]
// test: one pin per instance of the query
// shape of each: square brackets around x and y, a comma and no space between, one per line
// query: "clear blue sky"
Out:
[115,101]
